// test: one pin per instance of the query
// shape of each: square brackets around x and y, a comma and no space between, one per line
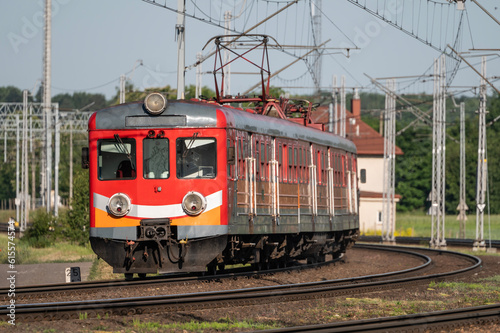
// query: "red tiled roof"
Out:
[376,195]
[367,140]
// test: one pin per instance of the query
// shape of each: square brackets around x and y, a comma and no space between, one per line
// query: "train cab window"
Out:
[155,153]
[196,157]
[116,159]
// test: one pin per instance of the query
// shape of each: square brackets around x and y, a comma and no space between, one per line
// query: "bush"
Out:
[78,217]
[40,233]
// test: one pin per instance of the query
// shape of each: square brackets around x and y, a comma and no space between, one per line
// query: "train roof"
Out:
[188,114]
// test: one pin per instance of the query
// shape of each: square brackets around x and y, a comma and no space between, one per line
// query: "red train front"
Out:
[157,183]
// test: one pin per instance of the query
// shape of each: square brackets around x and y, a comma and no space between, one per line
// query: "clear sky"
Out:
[94,42]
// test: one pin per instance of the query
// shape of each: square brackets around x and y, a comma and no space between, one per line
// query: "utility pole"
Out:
[71,165]
[56,160]
[18,194]
[25,163]
[122,88]
[316,22]
[181,57]
[462,205]
[123,81]
[389,204]
[482,166]
[335,97]
[199,74]
[227,55]
[47,102]
[437,195]
[342,107]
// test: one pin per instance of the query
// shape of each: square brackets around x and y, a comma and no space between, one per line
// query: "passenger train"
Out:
[191,185]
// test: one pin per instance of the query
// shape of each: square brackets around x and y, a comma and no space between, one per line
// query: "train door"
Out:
[343,183]
[250,179]
[232,172]
[321,189]
[352,185]
[305,198]
[243,196]
[274,182]
[259,184]
[331,186]
[313,183]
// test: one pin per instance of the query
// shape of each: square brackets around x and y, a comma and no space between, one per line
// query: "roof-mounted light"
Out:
[155,103]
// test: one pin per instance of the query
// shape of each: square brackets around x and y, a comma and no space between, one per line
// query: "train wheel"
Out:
[262,266]
[142,275]
[211,269]
[129,276]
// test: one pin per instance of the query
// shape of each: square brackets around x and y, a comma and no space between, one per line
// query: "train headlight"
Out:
[194,203]
[119,204]
[155,103]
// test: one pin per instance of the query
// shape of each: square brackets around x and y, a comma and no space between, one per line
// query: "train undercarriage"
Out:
[157,250]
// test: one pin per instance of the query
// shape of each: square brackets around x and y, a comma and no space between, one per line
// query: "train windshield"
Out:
[116,159]
[156,158]
[196,157]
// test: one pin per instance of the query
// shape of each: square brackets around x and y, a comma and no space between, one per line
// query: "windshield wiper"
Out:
[122,145]
[190,144]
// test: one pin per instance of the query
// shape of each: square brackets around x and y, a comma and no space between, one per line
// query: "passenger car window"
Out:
[196,157]
[116,160]
[156,164]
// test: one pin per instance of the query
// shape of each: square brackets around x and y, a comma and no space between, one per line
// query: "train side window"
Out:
[299,165]
[344,174]
[196,157]
[155,154]
[285,164]
[295,164]
[241,159]
[231,157]
[318,167]
[262,161]
[116,159]
[280,163]
[256,156]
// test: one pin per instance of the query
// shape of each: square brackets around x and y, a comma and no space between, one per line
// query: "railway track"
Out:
[35,291]
[249,296]
[452,242]
[435,321]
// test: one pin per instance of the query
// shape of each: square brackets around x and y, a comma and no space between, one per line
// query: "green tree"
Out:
[414,168]
[80,100]
[11,94]
[78,216]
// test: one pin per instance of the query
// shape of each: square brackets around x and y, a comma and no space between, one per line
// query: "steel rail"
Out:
[425,240]
[77,287]
[441,320]
[138,305]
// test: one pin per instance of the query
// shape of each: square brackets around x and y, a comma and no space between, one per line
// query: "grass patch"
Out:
[197,326]
[6,214]
[363,308]
[100,270]
[59,252]
[442,296]
[418,224]
[490,285]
